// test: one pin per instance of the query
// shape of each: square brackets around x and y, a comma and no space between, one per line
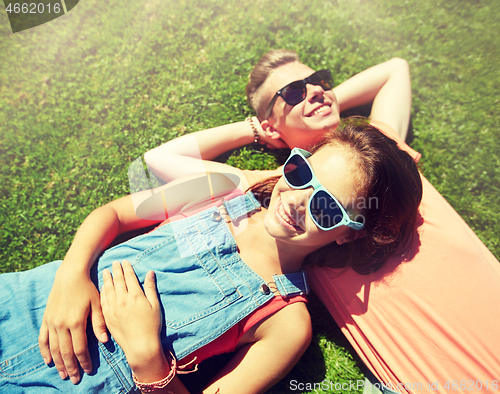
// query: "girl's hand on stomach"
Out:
[63,337]
[132,316]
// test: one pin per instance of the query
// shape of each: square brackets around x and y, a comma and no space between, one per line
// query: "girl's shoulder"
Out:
[290,324]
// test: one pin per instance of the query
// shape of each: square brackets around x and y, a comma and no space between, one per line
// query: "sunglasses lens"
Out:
[294,93]
[324,210]
[297,171]
[323,78]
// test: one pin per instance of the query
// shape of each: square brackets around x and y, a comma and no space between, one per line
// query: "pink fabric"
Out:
[429,318]
[201,207]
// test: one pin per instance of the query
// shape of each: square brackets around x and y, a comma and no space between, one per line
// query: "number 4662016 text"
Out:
[34,8]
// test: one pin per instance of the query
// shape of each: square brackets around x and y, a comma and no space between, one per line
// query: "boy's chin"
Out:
[331,124]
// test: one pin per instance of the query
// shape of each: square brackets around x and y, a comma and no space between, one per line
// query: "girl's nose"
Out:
[299,198]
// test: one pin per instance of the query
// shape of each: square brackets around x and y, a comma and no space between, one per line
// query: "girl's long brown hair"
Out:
[392,183]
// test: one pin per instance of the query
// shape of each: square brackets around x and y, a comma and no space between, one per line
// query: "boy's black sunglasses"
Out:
[296,91]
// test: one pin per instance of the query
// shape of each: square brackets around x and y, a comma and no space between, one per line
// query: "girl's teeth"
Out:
[319,110]
[284,216]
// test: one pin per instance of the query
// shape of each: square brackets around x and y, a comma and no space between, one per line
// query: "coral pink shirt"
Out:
[431,319]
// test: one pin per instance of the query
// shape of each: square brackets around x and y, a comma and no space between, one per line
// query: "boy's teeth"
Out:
[319,110]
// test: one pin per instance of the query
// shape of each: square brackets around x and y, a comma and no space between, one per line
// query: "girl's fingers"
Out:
[150,289]
[103,297]
[118,279]
[108,289]
[56,355]
[79,338]
[43,343]
[130,278]
[124,281]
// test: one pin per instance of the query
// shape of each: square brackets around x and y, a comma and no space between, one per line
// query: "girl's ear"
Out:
[350,236]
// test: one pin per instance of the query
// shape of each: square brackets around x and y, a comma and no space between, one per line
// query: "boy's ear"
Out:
[350,236]
[270,131]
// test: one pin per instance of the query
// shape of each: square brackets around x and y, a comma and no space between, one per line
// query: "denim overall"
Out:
[204,286]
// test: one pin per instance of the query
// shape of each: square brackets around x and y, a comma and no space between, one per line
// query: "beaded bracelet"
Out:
[153,386]
[254,129]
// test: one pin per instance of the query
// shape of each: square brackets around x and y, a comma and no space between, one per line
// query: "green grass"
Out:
[84,95]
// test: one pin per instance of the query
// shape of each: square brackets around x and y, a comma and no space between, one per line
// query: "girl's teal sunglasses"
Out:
[325,210]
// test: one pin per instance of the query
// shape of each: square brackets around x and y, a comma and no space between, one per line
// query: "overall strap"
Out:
[241,205]
[287,285]
[292,284]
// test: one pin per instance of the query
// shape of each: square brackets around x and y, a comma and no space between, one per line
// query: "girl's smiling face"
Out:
[302,124]
[288,218]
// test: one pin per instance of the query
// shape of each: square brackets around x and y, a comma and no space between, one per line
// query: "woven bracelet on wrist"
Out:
[254,129]
[153,386]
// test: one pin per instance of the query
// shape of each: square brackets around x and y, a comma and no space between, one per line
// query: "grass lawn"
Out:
[82,96]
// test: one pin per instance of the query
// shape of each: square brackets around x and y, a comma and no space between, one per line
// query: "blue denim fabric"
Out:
[23,296]
[204,287]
